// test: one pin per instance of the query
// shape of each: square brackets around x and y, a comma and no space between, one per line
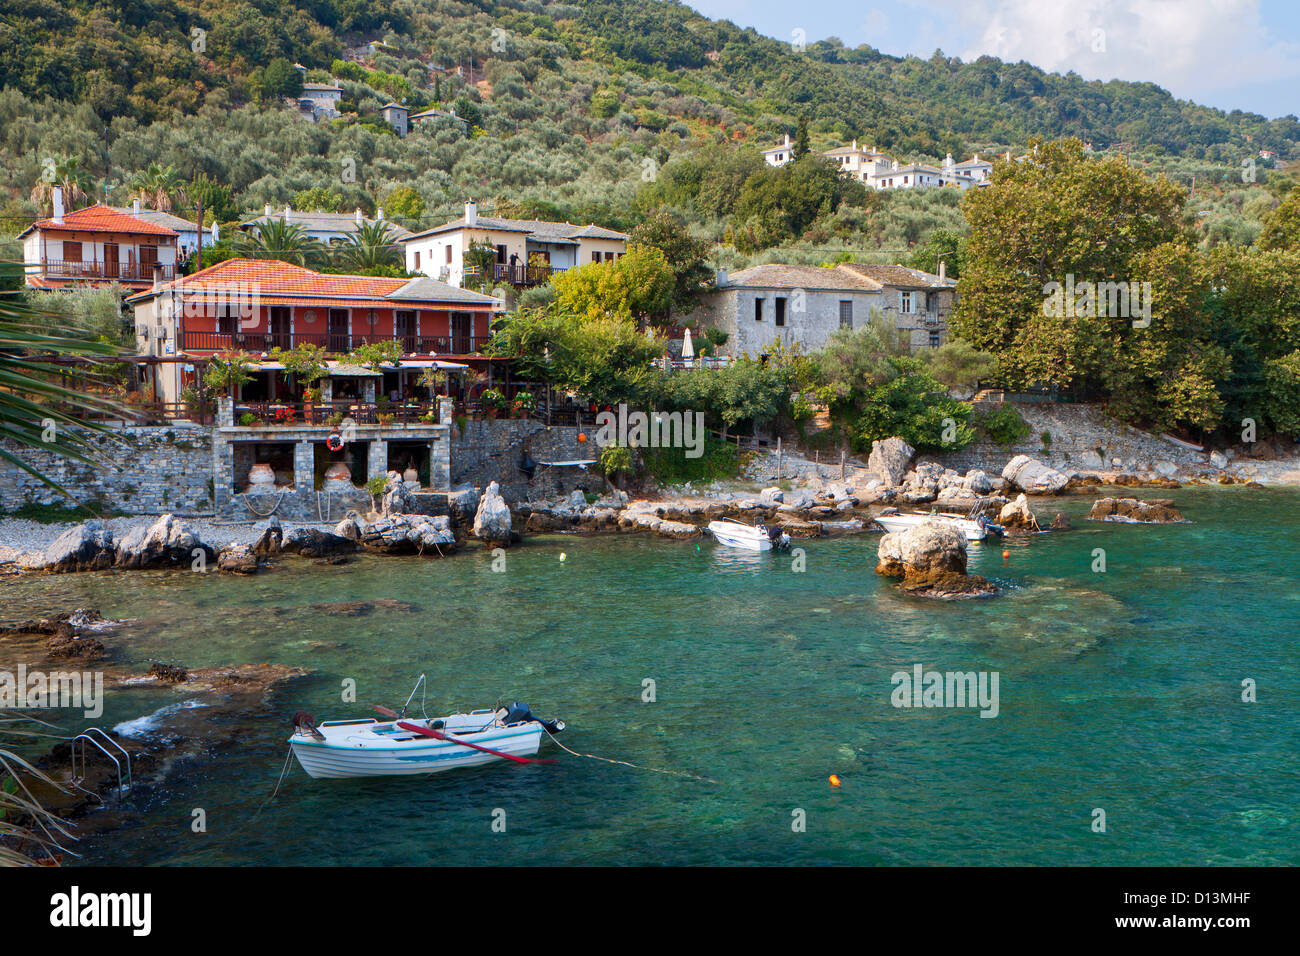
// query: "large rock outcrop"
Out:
[1016,516]
[492,520]
[1033,477]
[87,547]
[238,559]
[889,460]
[166,543]
[931,560]
[270,537]
[1135,511]
[312,543]
[399,533]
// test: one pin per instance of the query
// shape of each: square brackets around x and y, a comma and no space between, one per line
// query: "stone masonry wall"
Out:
[490,451]
[1084,439]
[152,470]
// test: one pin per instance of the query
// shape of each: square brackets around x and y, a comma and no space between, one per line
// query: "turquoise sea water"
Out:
[1118,690]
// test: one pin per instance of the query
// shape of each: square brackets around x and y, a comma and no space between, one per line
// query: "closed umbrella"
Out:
[688,348]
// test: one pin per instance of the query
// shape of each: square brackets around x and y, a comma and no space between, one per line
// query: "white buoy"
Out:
[563,556]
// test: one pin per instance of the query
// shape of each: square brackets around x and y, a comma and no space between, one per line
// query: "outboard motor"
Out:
[519,713]
[780,540]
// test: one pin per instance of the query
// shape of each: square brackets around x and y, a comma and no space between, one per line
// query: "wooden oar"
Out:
[424,732]
[438,735]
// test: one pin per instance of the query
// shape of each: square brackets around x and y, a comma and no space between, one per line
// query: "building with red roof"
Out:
[258,305]
[96,246]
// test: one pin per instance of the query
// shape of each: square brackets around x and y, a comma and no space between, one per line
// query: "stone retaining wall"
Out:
[1083,439]
[145,470]
[490,450]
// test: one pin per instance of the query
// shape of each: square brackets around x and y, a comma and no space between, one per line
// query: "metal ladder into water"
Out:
[90,736]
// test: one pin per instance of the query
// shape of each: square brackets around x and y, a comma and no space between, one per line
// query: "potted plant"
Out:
[493,401]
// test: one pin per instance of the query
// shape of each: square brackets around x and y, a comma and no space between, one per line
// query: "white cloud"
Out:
[1194,48]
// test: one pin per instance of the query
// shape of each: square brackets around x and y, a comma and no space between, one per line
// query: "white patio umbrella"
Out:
[688,348]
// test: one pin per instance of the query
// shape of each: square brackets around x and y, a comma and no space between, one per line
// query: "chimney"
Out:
[266,211]
[943,271]
[135,207]
[471,213]
[287,212]
[977,157]
[787,139]
[855,145]
[157,275]
[379,214]
[58,204]
[722,278]
[358,216]
[947,161]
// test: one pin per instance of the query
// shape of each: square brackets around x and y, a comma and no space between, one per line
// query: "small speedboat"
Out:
[367,747]
[751,537]
[975,529]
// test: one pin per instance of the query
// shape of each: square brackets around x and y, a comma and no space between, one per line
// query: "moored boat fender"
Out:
[305,723]
[519,713]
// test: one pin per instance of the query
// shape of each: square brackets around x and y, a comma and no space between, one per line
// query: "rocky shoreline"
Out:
[807,499]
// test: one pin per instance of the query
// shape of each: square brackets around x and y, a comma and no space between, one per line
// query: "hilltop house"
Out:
[96,246]
[760,306]
[527,251]
[859,163]
[326,226]
[433,114]
[320,100]
[397,116]
[256,305]
[779,154]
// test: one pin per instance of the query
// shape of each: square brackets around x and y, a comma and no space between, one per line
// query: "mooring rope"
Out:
[243,497]
[626,763]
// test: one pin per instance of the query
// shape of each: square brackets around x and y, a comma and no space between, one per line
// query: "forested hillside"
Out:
[605,109]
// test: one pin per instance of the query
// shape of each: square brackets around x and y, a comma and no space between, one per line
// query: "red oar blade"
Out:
[438,735]
[386,711]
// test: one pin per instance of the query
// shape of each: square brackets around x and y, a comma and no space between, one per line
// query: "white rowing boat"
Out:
[750,537]
[367,747]
[975,529]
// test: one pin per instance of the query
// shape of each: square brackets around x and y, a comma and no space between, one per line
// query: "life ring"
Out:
[334,442]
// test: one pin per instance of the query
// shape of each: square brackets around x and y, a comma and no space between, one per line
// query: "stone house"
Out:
[766,304]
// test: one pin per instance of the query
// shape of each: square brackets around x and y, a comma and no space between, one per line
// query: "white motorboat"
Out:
[975,529]
[748,536]
[367,747]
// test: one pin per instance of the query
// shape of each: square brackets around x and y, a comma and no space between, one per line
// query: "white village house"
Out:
[526,251]
[762,305]
[881,171]
[326,226]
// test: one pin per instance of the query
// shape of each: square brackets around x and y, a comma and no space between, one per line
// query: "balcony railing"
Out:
[335,343]
[521,274]
[126,271]
[263,414]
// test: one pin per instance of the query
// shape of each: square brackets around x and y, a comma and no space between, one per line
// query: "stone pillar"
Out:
[304,466]
[444,410]
[377,459]
[225,411]
[440,462]
[223,463]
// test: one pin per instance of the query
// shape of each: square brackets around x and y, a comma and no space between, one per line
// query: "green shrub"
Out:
[1002,425]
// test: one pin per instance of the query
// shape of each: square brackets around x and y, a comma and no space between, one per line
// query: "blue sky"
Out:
[1233,54]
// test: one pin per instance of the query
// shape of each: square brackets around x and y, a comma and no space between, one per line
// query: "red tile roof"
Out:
[98,218]
[283,283]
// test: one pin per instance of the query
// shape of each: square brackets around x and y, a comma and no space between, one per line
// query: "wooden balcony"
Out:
[335,343]
[107,271]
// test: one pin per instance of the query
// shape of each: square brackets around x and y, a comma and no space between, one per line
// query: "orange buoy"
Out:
[835,781]
[1005,555]
[582,437]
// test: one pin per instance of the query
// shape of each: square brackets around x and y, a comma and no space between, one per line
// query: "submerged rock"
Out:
[931,560]
[492,520]
[1135,511]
